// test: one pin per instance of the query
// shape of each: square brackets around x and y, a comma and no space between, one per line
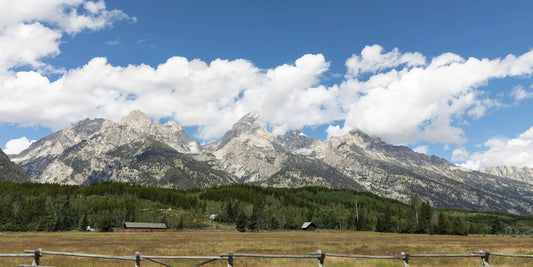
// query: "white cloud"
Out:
[112,42]
[373,59]
[504,152]
[519,93]
[460,154]
[336,131]
[415,102]
[70,16]
[15,146]
[421,149]
[223,90]
[31,30]
[26,44]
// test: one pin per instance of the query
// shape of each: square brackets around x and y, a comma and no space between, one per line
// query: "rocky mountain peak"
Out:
[294,140]
[87,127]
[356,141]
[55,143]
[136,119]
[251,122]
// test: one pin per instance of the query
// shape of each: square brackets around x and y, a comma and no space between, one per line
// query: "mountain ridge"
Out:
[249,153]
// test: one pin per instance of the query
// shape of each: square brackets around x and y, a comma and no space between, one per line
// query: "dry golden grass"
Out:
[293,243]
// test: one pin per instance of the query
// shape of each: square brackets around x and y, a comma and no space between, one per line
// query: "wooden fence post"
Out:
[230,259]
[405,258]
[37,257]
[322,258]
[485,258]
[137,259]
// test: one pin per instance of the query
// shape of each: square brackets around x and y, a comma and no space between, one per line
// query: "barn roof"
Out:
[145,225]
[307,224]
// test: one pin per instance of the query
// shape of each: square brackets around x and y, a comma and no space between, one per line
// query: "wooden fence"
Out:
[319,256]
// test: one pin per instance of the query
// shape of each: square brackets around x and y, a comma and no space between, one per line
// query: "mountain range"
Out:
[139,150]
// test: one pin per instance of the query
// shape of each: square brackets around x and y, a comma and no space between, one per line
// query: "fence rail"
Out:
[230,257]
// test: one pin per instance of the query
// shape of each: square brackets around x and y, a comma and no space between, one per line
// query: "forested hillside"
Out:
[107,205]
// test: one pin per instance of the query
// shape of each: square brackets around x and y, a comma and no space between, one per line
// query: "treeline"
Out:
[107,205]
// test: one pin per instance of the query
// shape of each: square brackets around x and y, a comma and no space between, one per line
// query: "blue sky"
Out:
[447,78]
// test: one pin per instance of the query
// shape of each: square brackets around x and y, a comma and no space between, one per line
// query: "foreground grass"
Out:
[293,243]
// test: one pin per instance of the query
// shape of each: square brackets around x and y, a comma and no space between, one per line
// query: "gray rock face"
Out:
[10,172]
[523,174]
[137,150]
[248,151]
[43,152]
[95,150]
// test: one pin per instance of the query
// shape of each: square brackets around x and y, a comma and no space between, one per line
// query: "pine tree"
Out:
[497,226]
[424,222]
[83,222]
[241,222]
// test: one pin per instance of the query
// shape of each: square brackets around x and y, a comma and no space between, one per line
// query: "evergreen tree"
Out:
[424,221]
[497,226]
[104,222]
[83,222]
[241,222]
[180,224]
[274,223]
[443,225]
[459,226]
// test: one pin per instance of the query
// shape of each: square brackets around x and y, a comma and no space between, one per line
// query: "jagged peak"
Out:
[294,140]
[295,132]
[137,119]
[87,126]
[356,135]
[251,122]
[173,125]
[252,119]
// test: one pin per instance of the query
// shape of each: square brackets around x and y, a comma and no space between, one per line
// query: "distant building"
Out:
[144,227]
[308,226]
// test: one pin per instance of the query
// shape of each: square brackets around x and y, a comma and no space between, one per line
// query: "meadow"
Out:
[204,243]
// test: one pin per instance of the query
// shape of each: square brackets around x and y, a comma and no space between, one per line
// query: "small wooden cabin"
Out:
[308,226]
[144,227]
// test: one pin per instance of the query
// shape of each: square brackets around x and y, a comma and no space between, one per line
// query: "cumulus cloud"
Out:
[460,154]
[223,90]
[519,93]
[413,101]
[15,146]
[407,102]
[70,16]
[421,149]
[31,30]
[504,152]
[373,59]
[26,44]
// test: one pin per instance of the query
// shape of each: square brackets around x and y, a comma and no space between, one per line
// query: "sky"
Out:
[446,78]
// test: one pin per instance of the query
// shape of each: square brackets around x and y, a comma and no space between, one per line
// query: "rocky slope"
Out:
[138,150]
[399,172]
[95,150]
[253,155]
[522,174]
[10,172]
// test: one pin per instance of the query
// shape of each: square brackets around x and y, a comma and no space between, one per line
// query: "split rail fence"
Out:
[230,257]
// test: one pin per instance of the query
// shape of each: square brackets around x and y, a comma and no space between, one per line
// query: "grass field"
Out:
[293,243]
